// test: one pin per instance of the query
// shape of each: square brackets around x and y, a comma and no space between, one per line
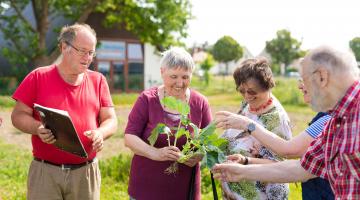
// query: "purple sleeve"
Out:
[138,117]
[206,112]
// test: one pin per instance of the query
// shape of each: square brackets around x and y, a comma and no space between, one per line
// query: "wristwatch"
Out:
[251,127]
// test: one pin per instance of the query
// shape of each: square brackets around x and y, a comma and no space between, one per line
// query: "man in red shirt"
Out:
[70,86]
[332,79]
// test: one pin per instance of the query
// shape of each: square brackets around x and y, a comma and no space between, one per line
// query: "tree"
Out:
[227,49]
[160,23]
[284,49]
[355,47]
[206,66]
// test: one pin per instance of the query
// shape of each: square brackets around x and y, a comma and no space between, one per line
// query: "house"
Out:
[128,64]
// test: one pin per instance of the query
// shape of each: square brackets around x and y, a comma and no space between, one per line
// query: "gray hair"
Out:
[68,33]
[334,60]
[177,57]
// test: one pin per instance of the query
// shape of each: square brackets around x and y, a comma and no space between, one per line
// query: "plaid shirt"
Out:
[335,155]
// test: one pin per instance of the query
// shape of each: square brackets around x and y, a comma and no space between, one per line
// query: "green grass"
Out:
[6,102]
[14,164]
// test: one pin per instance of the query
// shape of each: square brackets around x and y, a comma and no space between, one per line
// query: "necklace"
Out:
[261,107]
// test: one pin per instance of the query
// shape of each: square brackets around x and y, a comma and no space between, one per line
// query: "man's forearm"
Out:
[108,127]
[24,122]
[280,172]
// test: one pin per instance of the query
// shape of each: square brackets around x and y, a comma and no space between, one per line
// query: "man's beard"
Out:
[319,100]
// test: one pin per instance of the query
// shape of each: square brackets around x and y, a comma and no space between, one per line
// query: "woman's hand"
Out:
[229,172]
[236,158]
[226,120]
[170,153]
[193,160]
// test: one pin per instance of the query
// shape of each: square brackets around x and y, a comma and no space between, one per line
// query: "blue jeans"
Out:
[317,189]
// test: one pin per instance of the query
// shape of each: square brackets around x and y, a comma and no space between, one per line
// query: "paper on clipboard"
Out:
[60,124]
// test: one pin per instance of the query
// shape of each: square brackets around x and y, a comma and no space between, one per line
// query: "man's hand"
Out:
[97,138]
[45,135]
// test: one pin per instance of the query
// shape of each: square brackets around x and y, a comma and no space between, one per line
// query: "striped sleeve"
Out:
[317,127]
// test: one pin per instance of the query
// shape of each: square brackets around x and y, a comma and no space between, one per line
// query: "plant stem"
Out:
[176,132]
[168,139]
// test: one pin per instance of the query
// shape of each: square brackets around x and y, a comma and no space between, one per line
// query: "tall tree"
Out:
[227,49]
[206,65]
[160,23]
[355,47]
[284,49]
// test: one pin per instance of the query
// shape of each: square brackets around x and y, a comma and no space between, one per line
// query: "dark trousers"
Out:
[317,189]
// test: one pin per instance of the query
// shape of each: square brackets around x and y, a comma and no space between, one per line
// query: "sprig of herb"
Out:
[204,142]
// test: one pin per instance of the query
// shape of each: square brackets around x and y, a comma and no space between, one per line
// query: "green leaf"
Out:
[211,159]
[175,104]
[180,132]
[196,129]
[169,102]
[159,129]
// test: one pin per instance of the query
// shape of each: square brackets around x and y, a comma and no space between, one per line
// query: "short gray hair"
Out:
[336,61]
[68,33]
[177,57]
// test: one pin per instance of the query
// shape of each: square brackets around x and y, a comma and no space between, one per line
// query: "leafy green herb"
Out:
[205,142]
[246,189]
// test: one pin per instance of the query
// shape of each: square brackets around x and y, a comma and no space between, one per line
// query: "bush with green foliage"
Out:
[7,85]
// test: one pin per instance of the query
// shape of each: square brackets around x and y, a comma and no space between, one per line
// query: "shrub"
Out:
[7,85]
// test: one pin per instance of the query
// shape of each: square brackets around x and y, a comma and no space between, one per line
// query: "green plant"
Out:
[206,65]
[204,141]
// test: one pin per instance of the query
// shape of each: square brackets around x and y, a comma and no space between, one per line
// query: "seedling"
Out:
[204,142]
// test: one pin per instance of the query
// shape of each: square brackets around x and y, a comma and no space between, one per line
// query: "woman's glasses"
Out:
[249,92]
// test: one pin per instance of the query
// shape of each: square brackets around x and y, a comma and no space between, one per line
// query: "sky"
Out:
[253,22]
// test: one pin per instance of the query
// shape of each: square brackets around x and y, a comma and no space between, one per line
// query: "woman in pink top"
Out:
[147,178]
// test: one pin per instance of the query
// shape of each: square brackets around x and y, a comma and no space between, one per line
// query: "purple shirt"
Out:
[147,177]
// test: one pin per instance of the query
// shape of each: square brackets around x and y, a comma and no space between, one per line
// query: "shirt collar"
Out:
[347,102]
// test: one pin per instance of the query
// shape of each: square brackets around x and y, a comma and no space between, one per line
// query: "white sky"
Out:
[252,22]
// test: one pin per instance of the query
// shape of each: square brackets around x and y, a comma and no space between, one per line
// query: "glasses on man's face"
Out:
[301,80]
[82,52]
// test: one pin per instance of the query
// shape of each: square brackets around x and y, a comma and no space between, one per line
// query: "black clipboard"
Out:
[60,124]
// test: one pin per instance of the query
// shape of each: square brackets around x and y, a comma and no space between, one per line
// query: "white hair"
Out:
[334,60]
[177,57]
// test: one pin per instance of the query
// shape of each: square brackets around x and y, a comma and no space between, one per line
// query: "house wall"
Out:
[152,75]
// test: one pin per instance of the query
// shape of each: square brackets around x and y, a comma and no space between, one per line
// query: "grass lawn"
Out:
[14,161]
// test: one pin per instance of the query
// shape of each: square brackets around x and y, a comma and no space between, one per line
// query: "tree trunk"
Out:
[282,69]
[88,10]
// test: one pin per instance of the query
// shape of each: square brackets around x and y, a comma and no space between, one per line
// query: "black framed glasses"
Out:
[81,52]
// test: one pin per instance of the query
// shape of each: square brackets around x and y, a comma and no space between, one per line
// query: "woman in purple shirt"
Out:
[147,178]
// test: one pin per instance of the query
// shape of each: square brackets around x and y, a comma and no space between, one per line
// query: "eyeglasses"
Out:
[81,52]
[249,92]
[301,80]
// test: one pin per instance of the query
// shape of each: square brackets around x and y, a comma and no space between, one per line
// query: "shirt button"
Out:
[341,174]
[337,125]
